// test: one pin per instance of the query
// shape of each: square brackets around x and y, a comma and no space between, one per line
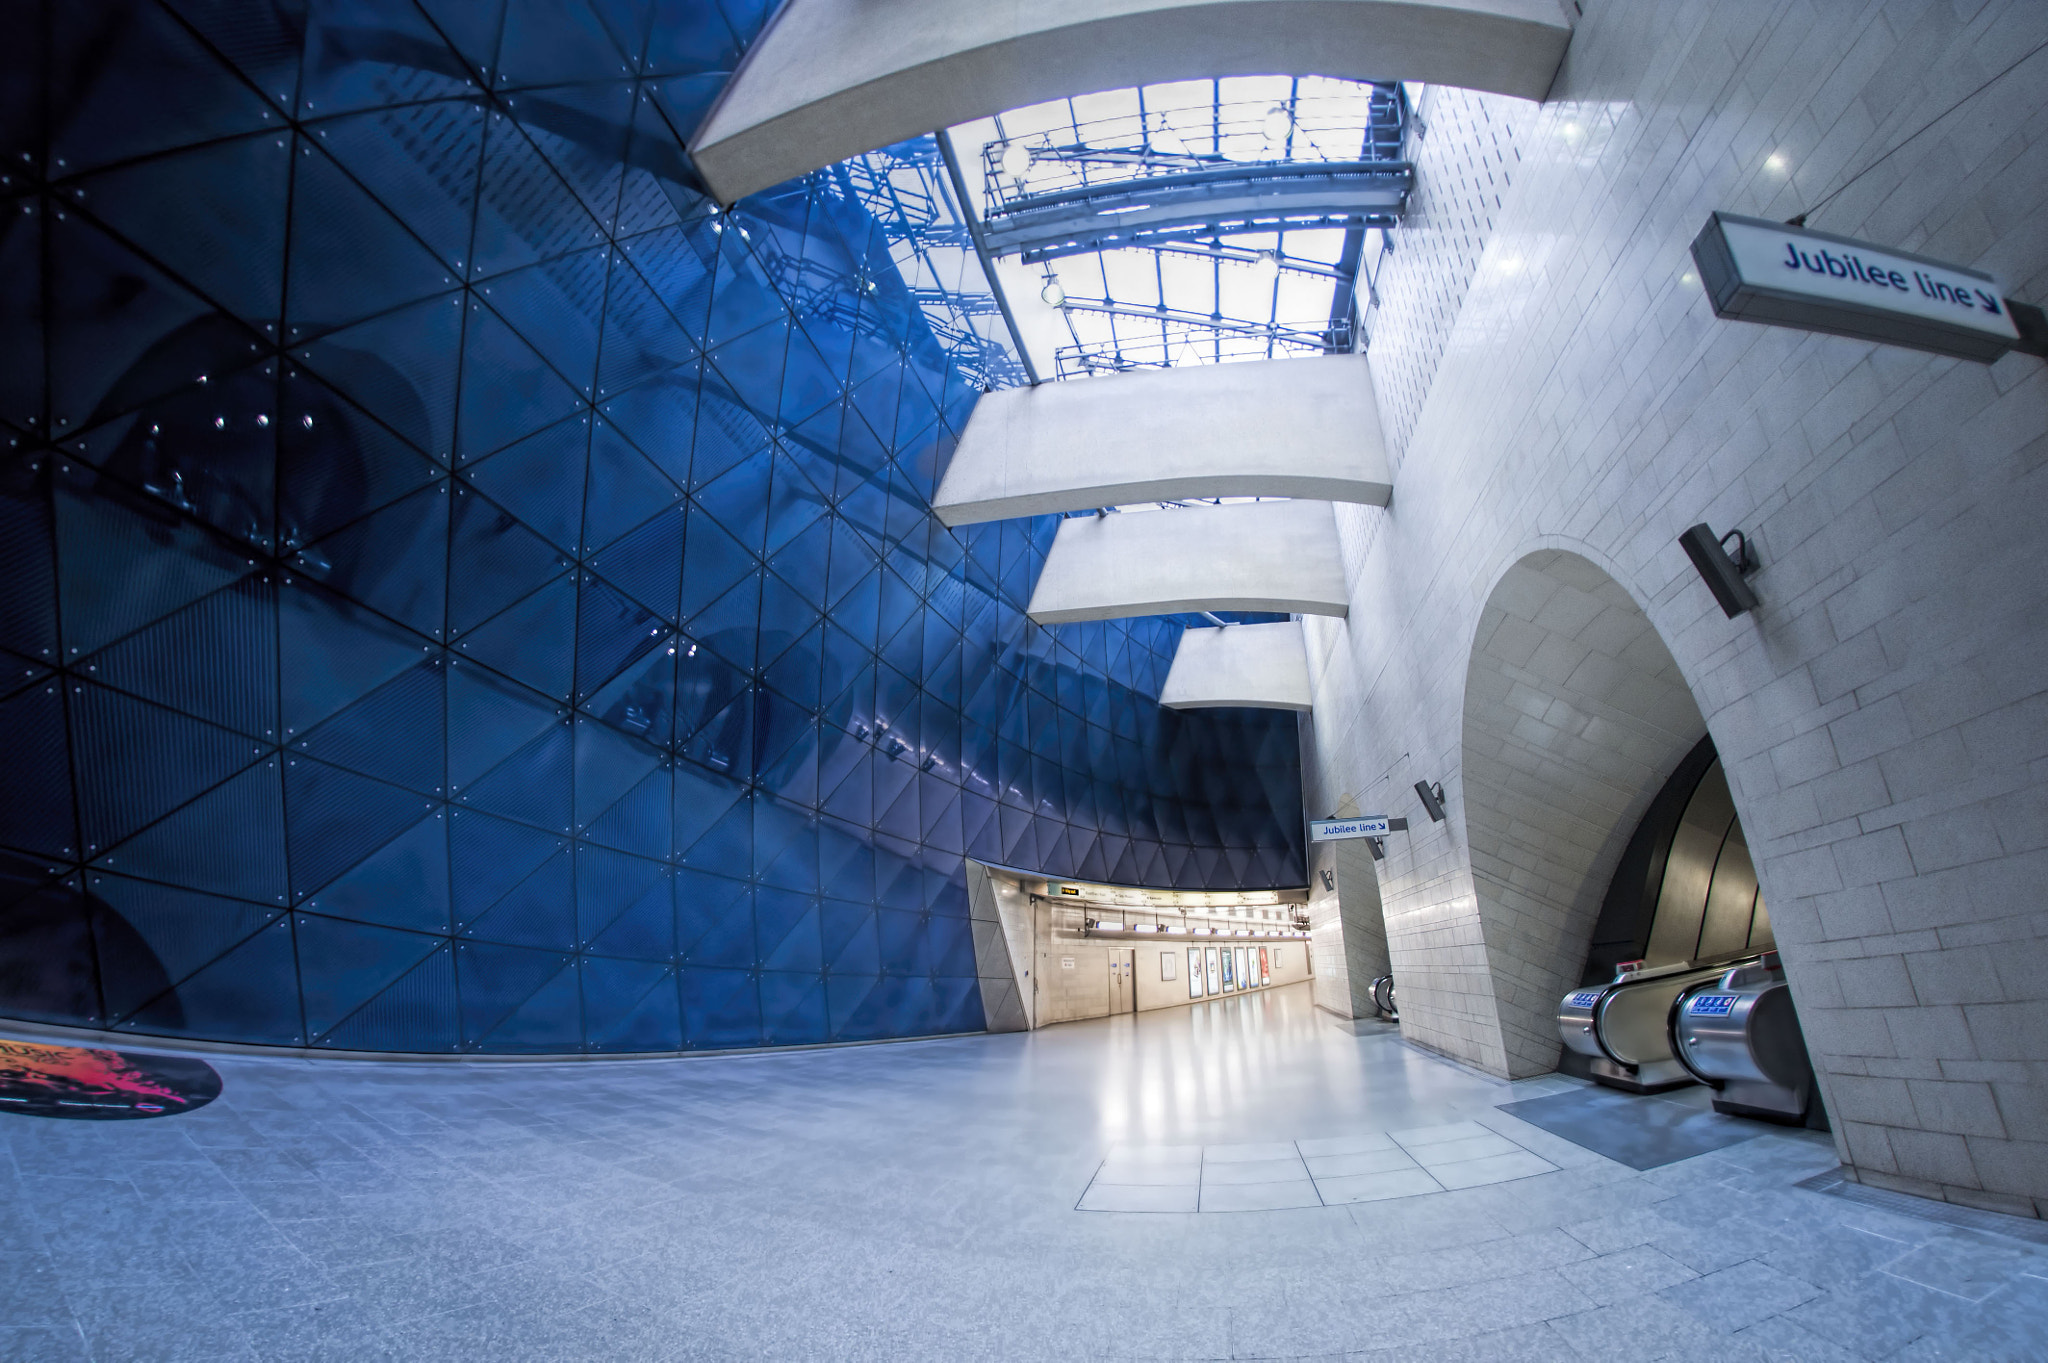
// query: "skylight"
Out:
[1193,223]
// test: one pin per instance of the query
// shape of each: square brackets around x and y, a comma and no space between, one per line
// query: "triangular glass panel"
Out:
[742,301]
[404,884]
[394,561]
[539,911]
[556,307]
[582,130]
[508,390]
[639,702]
[532,785]
[493,560]
[738,501]
[548,43]
[532,641]
[727,434]
[494,980]
[625,489]
[619,1022]
[731,624]
[723,845]
[488,719]
[229,841]
[642,338]
[336,818]
[640,821]
[487,857]
[540,480]
[608,764]
[365,55]
[609,883]
[645,930]
[646,563]
[343,965]
[104,72]
[722,741]
[336,464]
[751,367]
[401,367]
[677,263]
[551,1020]
[659,415]
[216,659]
[420,1013]
[149,937]
[250,995]
[135,762]
[721,1008]
[713,563]
[119,570]
[524,212]
[213,214]
[36,801]
[349,258]
[471,27]
[809,381]
[611,632]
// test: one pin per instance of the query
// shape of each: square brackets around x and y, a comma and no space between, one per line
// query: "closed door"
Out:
[1123,984]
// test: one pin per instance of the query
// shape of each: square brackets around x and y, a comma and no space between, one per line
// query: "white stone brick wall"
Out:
[1883,717]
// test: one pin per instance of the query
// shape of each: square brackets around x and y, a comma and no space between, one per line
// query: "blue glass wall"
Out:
[462,593]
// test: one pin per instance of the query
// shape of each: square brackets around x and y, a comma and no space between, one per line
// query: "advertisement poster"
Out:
[1265,968]
[94,1085]
[1194,972]
[1215,981]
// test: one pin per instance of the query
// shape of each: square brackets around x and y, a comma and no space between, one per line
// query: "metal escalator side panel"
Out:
[1575,1025]
[1632,1020]
[1673,1027]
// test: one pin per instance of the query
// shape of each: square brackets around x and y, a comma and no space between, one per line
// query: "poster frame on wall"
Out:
[1194,972]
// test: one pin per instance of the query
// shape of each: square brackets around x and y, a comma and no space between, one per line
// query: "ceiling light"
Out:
[1053,294]
[1016,161]
[1279,122]
[1267,266]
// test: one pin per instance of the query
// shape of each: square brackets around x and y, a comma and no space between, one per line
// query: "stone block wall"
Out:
[1884,716]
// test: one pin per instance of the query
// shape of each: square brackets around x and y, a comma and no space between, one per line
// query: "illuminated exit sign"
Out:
[1770,272]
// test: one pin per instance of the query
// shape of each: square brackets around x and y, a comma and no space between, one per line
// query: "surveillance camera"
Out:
[1432,800]
[1723,574]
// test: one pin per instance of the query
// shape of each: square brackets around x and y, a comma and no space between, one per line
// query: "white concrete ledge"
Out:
[1261,666]
[1272,428]
[1251,556]
[831,79]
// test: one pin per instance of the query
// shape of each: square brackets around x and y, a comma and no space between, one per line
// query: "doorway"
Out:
[1123,981]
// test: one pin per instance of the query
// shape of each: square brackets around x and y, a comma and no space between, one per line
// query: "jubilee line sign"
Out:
[1771,272]
[1364,826]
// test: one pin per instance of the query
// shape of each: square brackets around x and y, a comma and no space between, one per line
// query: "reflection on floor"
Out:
[918,1201]
[1641,1130]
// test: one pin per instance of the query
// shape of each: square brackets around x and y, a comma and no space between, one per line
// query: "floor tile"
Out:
[1254,1171]
[1367,1162]
[1259,1197]
[1376,1187]
[1467,1148]
[1157,1175]
[1436,1135]
[1124,1197]
[1363,1144]
[1240,1154]
[1494,1169]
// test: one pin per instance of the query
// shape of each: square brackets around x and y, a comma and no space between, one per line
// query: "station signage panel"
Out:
[1780,275]
[1364,826]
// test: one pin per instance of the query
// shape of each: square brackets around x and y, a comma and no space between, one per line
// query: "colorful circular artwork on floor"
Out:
[100,1086]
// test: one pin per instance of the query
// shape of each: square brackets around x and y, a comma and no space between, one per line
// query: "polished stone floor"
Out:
[924,1201]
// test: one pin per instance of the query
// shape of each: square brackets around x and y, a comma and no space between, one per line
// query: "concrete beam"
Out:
[1249,556]
[831,79]
[1264,667]
[1271,428]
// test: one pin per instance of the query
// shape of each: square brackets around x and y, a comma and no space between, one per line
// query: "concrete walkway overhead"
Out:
[834,78]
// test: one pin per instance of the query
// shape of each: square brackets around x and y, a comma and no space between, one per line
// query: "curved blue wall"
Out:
[459,593]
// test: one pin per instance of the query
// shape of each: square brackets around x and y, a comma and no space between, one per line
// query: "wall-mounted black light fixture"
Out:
[1378,847]
[1723,571]
[1432,799]
[1329,881]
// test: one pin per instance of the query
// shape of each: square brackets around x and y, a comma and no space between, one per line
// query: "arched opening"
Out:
[1575,717]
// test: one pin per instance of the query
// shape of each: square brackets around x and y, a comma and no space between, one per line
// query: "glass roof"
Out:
[1270,280]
